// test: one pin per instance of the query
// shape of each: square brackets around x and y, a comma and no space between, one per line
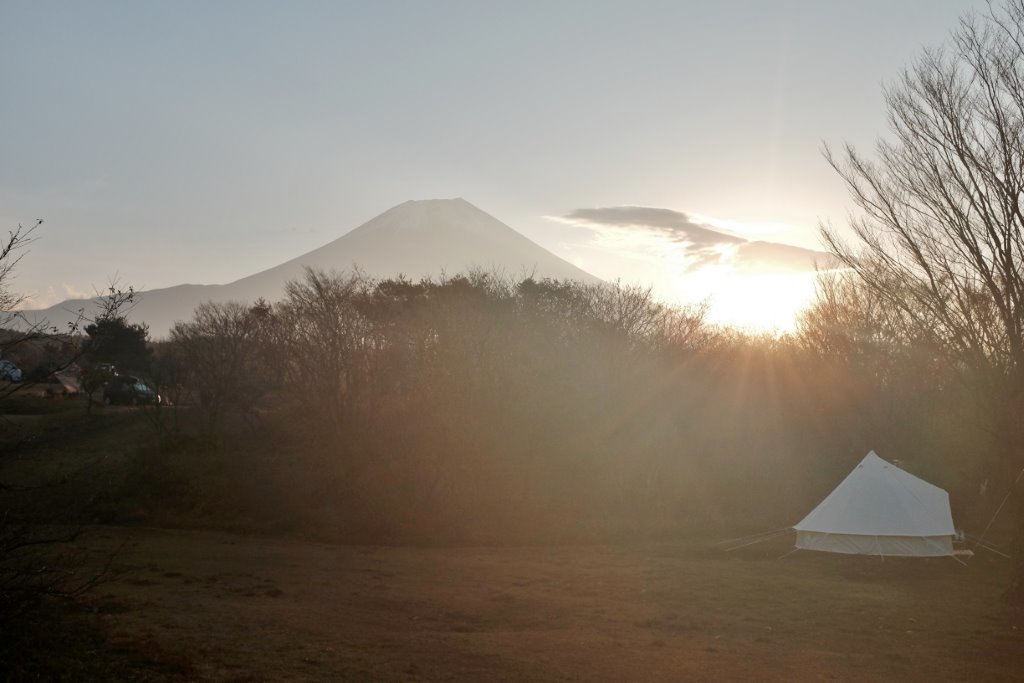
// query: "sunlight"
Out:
[743,228]
[763,302]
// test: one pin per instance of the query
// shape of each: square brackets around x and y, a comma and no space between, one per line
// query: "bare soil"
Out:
[241,608]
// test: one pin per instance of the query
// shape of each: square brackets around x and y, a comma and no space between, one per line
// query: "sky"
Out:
[200,142]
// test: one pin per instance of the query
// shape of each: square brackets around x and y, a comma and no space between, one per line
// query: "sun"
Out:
[752,302]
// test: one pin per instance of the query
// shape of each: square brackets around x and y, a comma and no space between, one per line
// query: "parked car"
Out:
[128,390]
[9,371]
[105,368]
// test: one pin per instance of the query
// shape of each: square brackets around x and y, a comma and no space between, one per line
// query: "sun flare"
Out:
[753,302]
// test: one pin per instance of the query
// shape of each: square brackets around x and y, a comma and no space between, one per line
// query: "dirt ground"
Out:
[242,608]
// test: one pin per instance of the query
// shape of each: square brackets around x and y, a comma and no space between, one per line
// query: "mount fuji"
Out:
[416,239]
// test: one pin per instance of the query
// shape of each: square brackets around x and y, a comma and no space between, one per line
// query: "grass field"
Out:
[227,607]
[187,604]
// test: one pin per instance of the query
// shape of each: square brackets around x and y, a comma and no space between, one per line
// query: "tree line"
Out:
[484,408]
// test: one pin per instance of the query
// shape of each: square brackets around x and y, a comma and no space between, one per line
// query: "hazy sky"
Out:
[200,142]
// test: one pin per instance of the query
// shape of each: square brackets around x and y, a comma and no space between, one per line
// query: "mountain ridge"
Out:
[417,238]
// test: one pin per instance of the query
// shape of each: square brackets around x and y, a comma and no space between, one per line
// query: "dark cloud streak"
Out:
[703,245]
[675,224]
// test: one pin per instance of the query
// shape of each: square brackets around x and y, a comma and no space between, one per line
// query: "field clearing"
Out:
[243,608]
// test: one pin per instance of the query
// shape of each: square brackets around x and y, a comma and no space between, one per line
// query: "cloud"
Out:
[673,224]
[51,297]
[34,300]
[648,229]
[72,292]
[777,257]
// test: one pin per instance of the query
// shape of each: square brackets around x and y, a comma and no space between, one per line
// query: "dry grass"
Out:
[199,605]
[239,608]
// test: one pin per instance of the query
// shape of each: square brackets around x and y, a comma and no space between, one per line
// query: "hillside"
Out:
[416,238]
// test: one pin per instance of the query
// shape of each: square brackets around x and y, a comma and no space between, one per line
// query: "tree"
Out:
[12,249]
[326,338]
[32,564]
[112,339]
[216,350]
[940,233]
[11,252]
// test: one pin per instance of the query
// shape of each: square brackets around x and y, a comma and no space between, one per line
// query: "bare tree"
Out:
[37,555]
[216,349]
[11,252]
[939,234]
[327,337]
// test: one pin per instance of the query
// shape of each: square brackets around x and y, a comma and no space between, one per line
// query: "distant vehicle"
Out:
[128,390]
[107,368]
[9,371]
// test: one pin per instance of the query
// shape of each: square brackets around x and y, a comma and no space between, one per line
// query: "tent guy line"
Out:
[999,509]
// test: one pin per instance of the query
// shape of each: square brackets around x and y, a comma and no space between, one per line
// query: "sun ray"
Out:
[754,302]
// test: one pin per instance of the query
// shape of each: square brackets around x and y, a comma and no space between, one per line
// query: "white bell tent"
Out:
[879,509]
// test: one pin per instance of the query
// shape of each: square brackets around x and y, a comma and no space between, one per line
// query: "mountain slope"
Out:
[416,239]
